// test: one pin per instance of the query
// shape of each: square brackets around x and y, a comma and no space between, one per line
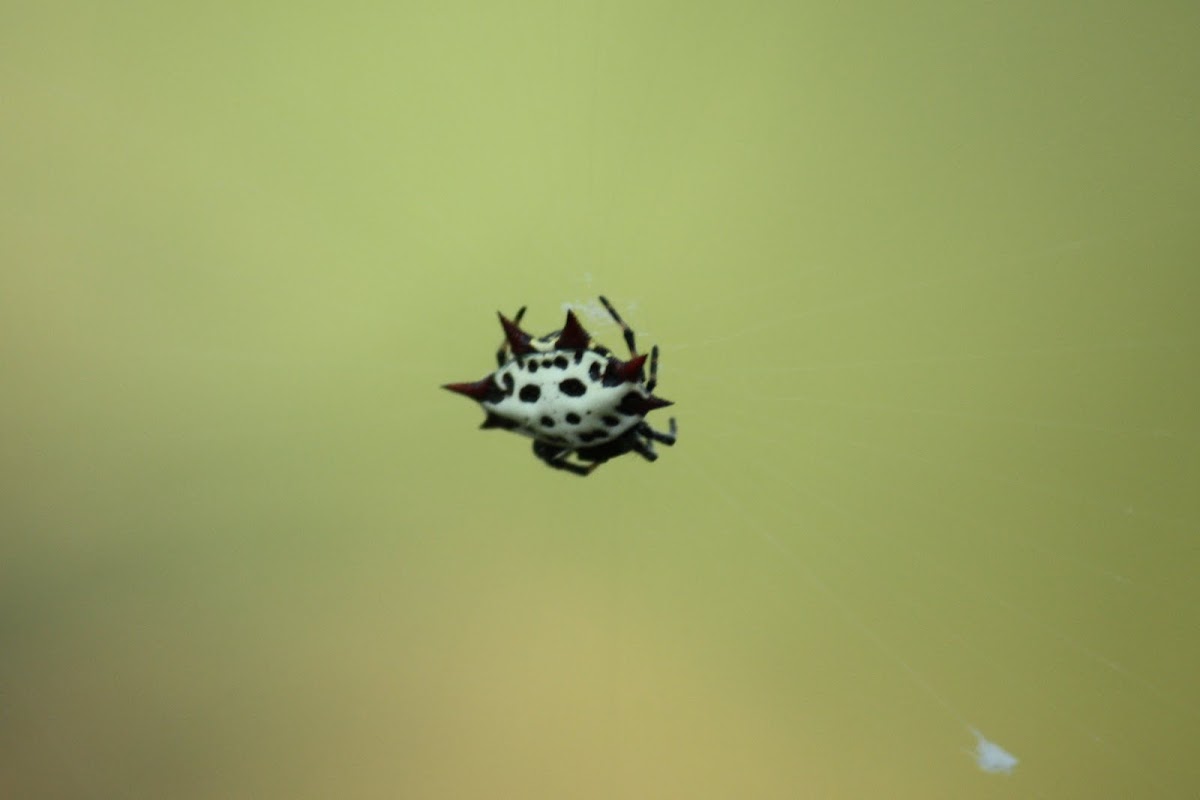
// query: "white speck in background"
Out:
[991,757]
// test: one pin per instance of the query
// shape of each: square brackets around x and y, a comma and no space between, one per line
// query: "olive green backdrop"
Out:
[924,278]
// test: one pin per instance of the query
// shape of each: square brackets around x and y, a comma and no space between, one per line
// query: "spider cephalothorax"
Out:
[571,395]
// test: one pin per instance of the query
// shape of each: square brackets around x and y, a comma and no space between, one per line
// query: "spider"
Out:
[571,395]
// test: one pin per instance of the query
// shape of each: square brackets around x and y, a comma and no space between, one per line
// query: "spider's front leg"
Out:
[653,382]
[626,331]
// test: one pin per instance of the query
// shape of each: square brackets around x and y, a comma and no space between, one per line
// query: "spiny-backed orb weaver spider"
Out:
[571,395]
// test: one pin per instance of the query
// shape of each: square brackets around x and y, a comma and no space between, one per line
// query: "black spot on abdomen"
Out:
[591,436]
[530,393]
[573,387]
[573,418]
[610,420]
[547,422]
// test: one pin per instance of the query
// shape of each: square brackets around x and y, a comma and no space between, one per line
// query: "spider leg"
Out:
[625,329]
[650,384]
[502,353]
[556,458]
[643,448]
[658,436]
[574,469]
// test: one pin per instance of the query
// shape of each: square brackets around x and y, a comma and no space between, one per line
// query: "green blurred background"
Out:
[925,282]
